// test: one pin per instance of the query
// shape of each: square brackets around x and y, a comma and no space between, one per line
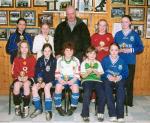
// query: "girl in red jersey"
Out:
[23,73]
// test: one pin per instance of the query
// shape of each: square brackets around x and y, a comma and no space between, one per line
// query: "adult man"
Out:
[72,29]
[15,38]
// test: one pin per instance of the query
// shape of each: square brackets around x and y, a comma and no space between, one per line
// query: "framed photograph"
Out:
[13,17]
[6,3]
[52,31]
[85,20]
[3,17]
[117,12]
[116,27]
[84,5]
[23,3]
[136,2]
[118,1]
[29,15]
[10,31]
[61,5]
[33,31]
[148,24]
[139,28]
[137,14]
[100,5]
[148,2]
[51,5]
[3,34]
[45,18]
[39,3]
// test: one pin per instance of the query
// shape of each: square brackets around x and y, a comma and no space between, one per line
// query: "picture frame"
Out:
[23,3]
[51,5]
[45,18]
[137,13]
[136,2]
[13,17]
[148,2]
[84,5]
[39,3]
[118,2]
[32,31]
[61,5]
[3,34]
[116,27]
[139,28]
[10,31]
[117,12]
[100,6]
[3,17]
[6,3]
[52,31]
[148,23]
[29,16]
[85,20]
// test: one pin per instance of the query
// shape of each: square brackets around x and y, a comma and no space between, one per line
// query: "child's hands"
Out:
[89,70]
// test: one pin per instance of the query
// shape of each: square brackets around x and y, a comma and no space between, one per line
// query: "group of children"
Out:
[66,72]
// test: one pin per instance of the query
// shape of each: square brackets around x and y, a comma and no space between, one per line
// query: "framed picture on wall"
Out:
[13,17]
[3,34]
[3,17]
[63,4]
[10,31]
[84,5]
[45,18]
[6,3]
[100,5]
[117,12]
[148,2]
[29,15]
[33,31]
[136,2]
[137,13]
[39,3]
[23,3]
[139,28]
[52,31]
[148,24]
[118,1]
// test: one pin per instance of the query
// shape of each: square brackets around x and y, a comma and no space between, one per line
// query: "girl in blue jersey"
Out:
[130,44]
[44,78]
[115,73]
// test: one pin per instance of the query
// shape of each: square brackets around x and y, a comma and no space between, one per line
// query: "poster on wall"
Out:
[139,28]
[3,17]
[3,34]
[6,3]
[148,24]
[13,17]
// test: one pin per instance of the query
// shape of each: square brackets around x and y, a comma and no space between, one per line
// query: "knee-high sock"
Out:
[57,99]
[74,99]
[26,100]
[17,99]
[37,103]
[48,104]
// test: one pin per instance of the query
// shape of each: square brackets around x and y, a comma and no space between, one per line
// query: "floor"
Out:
[139,113]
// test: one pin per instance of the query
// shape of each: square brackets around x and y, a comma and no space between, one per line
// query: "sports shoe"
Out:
[121,120]
[100,117]
[71,110]
[86,119]
[35,113]
[18,110]
[61,111]
[113,119]
[48,115]
[25,112]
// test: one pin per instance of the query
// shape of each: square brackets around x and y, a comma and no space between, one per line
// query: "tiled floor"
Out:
[139,113]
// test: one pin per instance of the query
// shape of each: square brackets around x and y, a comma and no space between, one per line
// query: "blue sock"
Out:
[57,99]
[48,104]
[74,99]
[37,102]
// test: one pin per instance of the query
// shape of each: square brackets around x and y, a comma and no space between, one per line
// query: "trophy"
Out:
[22,75]
[86,5]
[123,45]
[46,39]
[66,78]
[92,64]
[21,37]
[40,80]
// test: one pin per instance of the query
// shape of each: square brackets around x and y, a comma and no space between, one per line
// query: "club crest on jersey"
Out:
[120,67]
[131,38]
[47,68]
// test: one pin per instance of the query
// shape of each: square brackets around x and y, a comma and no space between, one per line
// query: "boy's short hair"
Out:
[21,19]
[91,49]
[68,45]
